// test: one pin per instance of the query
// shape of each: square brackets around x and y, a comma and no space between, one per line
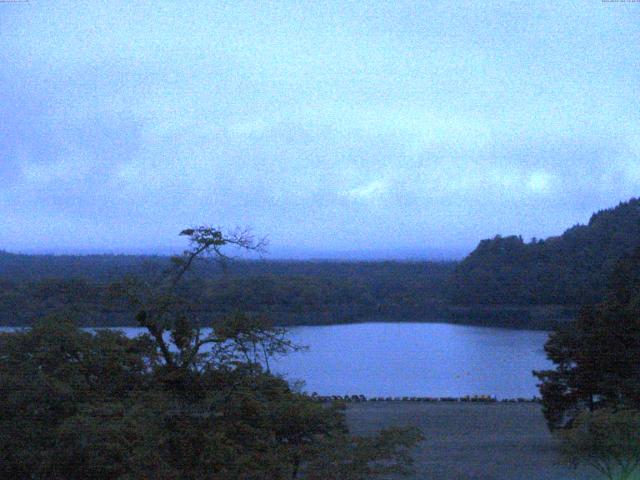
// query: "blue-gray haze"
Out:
[392,127]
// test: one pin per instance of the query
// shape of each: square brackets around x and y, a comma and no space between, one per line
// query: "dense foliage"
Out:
[570,269]
[597,357]
[77,405]
[174,403]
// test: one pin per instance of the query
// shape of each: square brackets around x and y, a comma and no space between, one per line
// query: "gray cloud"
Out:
[327,127]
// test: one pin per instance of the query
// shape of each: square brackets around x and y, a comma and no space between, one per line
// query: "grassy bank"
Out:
[469,441]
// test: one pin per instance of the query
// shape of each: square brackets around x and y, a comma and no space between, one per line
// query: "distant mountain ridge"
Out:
[572,268]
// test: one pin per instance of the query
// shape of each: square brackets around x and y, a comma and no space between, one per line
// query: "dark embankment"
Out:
[471,441]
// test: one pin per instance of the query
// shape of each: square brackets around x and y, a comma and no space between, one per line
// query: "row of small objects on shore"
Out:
[468,398]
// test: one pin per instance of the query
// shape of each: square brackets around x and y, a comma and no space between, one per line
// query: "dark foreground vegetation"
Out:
[597,356]
[173,403]
[592,397]
[76,405]
[503,282]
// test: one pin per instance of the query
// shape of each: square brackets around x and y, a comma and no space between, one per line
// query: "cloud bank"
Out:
[329,126]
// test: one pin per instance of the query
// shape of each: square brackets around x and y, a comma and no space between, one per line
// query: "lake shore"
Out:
[471,441]
[515,317]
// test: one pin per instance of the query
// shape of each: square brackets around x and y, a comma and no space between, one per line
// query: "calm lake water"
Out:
[414,359]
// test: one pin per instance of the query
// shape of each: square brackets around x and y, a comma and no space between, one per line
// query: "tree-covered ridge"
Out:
[572,268]
[107,267]
[290,292]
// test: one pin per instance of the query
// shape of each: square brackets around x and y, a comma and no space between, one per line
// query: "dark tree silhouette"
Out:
[179,402]
[597,357]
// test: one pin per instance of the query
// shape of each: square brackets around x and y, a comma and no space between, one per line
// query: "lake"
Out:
[414,359]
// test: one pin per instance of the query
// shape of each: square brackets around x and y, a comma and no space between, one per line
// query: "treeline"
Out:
[112,267]
[570,269]
[503,282]
[289,292]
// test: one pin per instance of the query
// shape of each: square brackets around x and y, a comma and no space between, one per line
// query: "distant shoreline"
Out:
[514,317]
[538,326]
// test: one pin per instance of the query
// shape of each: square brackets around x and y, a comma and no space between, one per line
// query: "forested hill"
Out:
[290,292]
[570,269]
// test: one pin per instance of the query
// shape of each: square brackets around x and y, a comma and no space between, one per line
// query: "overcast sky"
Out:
[389,127]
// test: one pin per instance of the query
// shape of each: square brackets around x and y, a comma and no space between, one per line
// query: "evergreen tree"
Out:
[597,357]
